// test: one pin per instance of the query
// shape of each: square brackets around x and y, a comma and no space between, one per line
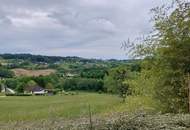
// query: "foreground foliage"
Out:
[166,58]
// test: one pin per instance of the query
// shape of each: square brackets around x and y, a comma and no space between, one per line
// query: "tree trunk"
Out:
[90,118]
[189,92]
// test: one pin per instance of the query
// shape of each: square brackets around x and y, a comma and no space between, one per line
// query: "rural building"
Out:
[36,90]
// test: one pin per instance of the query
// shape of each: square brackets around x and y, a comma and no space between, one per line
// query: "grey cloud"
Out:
[89,28]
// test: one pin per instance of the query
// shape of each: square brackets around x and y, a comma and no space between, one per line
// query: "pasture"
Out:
[44,107]
[34,108]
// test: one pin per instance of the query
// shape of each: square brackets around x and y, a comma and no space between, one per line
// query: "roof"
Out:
[34,88]
[37,88]
[39,92]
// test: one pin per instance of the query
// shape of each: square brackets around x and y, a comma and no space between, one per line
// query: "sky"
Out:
[85,28]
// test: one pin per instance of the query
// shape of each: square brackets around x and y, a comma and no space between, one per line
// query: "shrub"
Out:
[18,94]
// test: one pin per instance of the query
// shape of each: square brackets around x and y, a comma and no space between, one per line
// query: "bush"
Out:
[100,92]
[70,93]
[18,94]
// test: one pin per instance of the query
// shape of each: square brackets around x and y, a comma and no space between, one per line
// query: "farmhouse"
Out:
[36,90]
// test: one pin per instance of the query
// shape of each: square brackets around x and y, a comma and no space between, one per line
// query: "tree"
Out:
[5,73]
[20,87]
[167,53]
[94,72]
[11,83]
[123,88]
[49,86]
[110,84]
[115,81]
[30,85]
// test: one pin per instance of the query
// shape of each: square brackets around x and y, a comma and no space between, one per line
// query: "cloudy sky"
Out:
[86,28]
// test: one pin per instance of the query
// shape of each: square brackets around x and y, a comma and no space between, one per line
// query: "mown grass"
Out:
[67,106]
[44,107]
[2,94]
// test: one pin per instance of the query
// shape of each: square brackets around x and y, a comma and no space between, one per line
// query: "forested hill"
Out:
[54,59]
[41,58]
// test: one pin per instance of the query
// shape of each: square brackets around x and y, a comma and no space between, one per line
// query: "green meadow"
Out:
[66,106]
[44,107]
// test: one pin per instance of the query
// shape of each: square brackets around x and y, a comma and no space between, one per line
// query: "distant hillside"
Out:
[40,58]
[54,59]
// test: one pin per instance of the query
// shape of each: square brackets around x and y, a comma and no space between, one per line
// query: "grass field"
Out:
[43,107]
[66,106]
